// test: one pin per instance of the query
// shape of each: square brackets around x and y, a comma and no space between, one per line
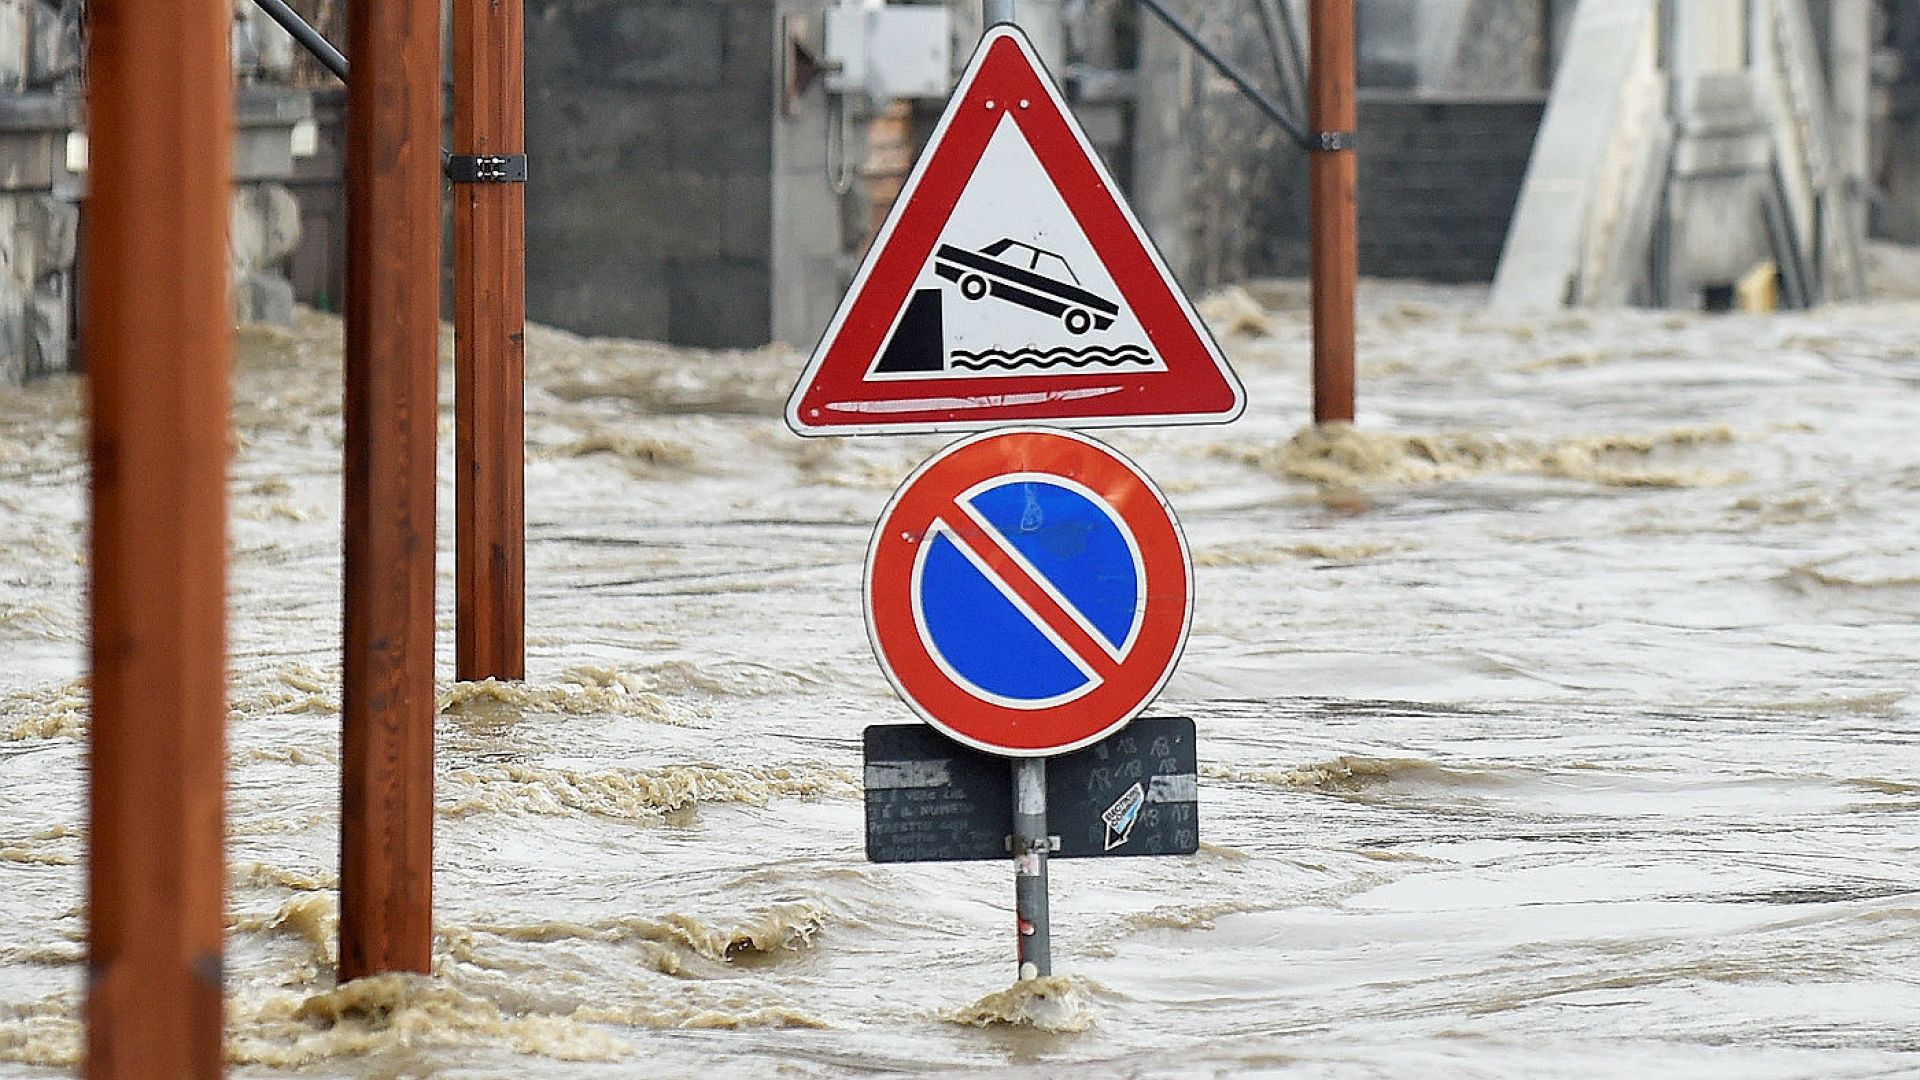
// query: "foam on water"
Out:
[650,795]
[1345,456]
[1055,1003]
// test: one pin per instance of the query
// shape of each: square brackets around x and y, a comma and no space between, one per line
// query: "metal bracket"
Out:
[487,168]
[800,62]
[1327,142]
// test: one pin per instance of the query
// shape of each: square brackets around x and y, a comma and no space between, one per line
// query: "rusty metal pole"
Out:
[1336,234]
[393,300]
[158,330]
[489,329]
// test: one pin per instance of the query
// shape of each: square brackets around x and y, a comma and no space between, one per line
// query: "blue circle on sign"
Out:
[1062,540]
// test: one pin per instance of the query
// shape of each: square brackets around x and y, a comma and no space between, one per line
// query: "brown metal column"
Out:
[158,339]
[1336,235]
[393,279]
[489,326]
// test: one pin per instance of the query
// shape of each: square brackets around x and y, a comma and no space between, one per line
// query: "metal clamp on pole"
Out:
[1327,142]
[486,168]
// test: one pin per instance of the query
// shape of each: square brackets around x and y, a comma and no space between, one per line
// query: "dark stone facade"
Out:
[649,135]
[1438,183]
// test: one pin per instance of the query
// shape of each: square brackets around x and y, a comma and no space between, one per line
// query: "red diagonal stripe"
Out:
[1022,584]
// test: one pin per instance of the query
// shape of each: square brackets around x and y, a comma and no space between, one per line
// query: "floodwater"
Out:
[1560,721]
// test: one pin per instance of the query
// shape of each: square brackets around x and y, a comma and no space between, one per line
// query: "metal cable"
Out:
[1232,74]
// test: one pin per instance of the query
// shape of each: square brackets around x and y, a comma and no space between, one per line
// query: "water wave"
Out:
[1117,356]
[42,621]
[266,875]
[1341,456]
[1350,772]
[392,1012]
[1257,554]
[648,795]
[668,1015]
[312,918]
[782,928]
[1193,916]
[1809,577]
[587,690]
[35,856]
[45,1032]
[645,453]
[57,712]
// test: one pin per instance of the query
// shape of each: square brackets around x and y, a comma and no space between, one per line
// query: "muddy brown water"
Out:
[1559,721]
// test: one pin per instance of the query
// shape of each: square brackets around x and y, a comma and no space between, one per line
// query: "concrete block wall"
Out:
[649,135]
[1897,151]
[1225,195]
[318,267]
[1439,179]
[816,229]
[1219,186]
[264,224]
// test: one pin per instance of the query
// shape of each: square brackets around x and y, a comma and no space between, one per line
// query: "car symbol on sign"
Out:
[1012,271]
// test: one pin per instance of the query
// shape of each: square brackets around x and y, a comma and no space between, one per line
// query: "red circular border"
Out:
[929,495]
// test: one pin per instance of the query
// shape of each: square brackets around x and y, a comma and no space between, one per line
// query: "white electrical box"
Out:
[889,52]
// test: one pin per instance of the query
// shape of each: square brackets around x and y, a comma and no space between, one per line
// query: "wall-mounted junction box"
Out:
[889,51]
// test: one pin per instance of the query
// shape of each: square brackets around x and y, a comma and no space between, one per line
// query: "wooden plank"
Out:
[393,278]
[490,303]
[158,339]
[1333,178]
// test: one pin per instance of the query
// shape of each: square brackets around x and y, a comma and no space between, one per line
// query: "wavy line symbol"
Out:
[1062,357]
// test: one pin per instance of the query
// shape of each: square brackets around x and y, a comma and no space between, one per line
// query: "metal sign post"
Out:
[1030,848]
[1035,948]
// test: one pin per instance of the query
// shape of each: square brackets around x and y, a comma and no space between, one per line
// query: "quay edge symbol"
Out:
[1011,284]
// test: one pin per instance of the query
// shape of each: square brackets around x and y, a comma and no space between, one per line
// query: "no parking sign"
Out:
[1028,592]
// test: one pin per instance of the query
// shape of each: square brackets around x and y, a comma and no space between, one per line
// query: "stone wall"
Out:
[1218,185]
[43,179]
[1897,153]
[649,133]
[1451,98]
[39,215]
[318,268]
[1439,179]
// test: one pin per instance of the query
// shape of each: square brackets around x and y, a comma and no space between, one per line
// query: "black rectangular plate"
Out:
[930,799]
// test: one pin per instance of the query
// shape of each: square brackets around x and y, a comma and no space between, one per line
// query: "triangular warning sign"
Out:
[1012,284]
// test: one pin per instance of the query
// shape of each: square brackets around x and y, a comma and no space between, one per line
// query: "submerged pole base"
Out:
[1030,847]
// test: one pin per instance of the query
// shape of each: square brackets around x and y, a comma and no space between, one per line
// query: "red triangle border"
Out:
[834,397]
